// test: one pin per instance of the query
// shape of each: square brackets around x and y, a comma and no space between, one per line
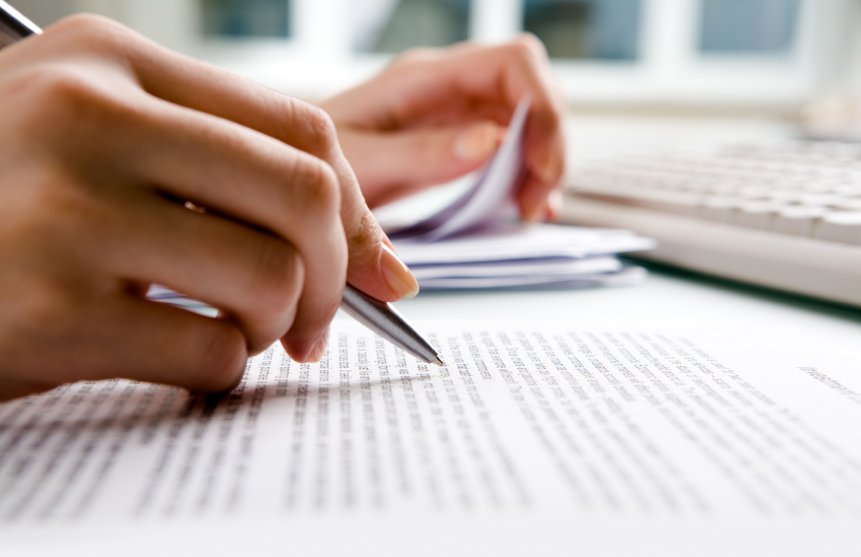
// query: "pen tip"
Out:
[438,362]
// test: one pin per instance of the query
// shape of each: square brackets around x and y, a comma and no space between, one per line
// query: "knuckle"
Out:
[67,109]
[413,57]
[321,127]
[316,191]
[412,64]
[278,276]
[94,30]
[66,85]
[326,190]
[51,83]
[70,99]
[530,47]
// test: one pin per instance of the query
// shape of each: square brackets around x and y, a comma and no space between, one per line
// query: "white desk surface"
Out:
[667,300]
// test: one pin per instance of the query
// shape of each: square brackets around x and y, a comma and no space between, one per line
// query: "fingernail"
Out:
[397,275]
[477,143]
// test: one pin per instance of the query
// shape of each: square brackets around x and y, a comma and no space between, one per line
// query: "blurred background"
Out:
[789,59]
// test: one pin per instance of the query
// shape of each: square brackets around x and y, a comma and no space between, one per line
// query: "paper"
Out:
[449,248]
[612,428]
[490,199]
[515,243]
[518,256]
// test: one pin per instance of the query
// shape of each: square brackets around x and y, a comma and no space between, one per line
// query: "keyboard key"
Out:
[821,200]
[839,227]
[719,209]
[797,221]
[850,204]
[756,214]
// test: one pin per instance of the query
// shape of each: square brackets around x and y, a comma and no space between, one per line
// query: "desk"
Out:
[670,299]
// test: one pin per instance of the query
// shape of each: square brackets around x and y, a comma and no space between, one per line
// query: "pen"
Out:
[384,320]
[379,317]
[14,26]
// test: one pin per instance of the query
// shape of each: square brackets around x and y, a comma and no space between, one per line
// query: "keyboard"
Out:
[786,216]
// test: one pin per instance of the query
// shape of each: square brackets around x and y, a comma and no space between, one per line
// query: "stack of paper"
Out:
[476,242]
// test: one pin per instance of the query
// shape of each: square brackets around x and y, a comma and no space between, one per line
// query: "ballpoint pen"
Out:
[14,26]
[379,317]
[384,320]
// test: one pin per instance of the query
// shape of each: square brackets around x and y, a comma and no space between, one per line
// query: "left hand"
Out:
[435,114]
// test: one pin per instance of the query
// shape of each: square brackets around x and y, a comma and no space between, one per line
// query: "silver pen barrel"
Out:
[385,321]
[14,26]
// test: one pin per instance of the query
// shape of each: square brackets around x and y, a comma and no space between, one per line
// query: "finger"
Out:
[241,104]
[490,81]
[208,89]
[148,341]
[254,278]
[372,267]
[522,70]
[112,334]
[12,388]
[255,179]
[421,157]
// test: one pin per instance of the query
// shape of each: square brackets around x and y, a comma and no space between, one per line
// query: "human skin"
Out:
[105,138]
[435,114]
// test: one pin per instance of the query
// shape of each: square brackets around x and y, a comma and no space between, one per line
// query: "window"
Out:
[627,51]
[748,26]
[246,18]
[592,29]
[391,27]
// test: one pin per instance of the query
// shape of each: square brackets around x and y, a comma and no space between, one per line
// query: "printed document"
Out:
[551,441]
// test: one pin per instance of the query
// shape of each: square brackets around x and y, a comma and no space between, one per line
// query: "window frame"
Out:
[316,60]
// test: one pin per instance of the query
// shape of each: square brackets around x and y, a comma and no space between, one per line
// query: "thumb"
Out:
[373,266]
[394,164]
[377,270]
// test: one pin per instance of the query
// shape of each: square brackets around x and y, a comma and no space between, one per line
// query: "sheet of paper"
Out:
[506,268]
[524,243]
[625,275]
[450,247]
[525,256]
[603,442]
[491,197]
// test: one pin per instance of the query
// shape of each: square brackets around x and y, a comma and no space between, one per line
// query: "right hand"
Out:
[103,137]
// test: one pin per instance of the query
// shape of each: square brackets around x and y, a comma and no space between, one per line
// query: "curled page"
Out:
[489,198]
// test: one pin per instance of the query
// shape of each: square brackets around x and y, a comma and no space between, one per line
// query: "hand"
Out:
[104,137]
[434,115]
